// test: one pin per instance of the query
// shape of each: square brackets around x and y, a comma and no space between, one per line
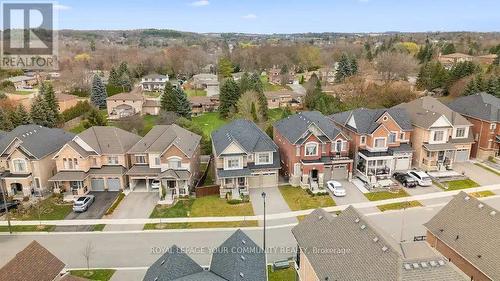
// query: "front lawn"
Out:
[149,122]
[480,194]
[115,203]
[209,122]
[268,87]
[275,114]
[28,228]
[383,195]
[298,199]
[399,206]
[459,184]
[51,208]
[94,274]
[222,224]
[179,210]
[487,168]
[195,92]
[287,274]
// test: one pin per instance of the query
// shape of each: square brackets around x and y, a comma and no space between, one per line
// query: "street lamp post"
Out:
[264,199]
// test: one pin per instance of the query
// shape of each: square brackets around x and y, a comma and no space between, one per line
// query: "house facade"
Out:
[485,116]
[203,104]
[94,160]
[312,149]
[153,82]
[380,141]
[282,99]
[23,82]
[26,159]
[208,82]
[440,135]
[245,157]
[128,104]
[169,154]
[275,76]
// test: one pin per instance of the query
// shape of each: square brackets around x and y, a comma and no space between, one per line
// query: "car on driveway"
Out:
[155,184]
[83,203]
[422,178]
[9,205]
[336,188]
[405,179]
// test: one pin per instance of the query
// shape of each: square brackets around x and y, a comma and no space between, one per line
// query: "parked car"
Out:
[405,179]
[422,178]
[155,184]
[8,204]
[336,188]
[83,203]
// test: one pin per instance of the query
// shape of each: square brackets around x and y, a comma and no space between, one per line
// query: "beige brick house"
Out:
[128,104]
[26,158]
[94,160]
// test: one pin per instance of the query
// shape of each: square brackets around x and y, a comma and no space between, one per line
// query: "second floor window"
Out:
[70,163]
[311,149]
[460,133]
[438,135]
[174,163]
[493,126]
[140,159]
[380,142]
[233,163]
[20,165]
[112,160]
[157,161]
[392,137]
[264,158]
[363,140]
[338,146]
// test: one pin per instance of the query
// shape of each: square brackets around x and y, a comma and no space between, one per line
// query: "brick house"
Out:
[153,82]
[94,160]
[245,157]
[440,135]
[282,99]
[312,149]
[485,116]
[380,141]
[467,232]
[203,104]
[275,76]
[128,104]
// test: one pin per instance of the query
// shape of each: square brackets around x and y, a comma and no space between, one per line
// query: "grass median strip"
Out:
[298,199]
[458,184]
[98,227]
[281,274]
[28,228]
[94,274]
[115,204]
[191,225]
[487,168]
[480,194]
[383,195]
[399,205]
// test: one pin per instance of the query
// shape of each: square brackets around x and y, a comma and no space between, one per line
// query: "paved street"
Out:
[129,275]
[134,205]
[477,174]
[354,195]
[275,204]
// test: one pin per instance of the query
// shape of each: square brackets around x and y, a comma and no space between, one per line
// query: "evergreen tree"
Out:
[51,101]
[432,75]
[98,93]
[263,107]
[123,69]
[253,111]
[5,122]
[168,100]
[126,82]
[39,112]
[183,105]
[22,115]
[256,83]
[114,78]
[347,66]
[286,112]
[448,49]
[229,95]
[225,68]
[94,118]
[245,83]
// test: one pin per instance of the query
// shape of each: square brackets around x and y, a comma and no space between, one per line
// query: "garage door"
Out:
[462,155]
[113,184]
[268,180]
[402,164]
[327,175]
[339,172]
[97,184]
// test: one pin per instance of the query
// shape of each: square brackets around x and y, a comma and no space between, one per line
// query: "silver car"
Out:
[83,203]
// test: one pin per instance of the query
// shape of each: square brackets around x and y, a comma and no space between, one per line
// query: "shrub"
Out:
[80,92]
[234,201]
[79,109]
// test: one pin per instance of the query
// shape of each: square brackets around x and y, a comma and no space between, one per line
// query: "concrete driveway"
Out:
[102,202]
[477,174]
[134,206]
[274,204]
[353,195]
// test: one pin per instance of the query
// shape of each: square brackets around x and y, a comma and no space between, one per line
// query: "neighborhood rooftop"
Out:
[365,120]
[107,140]
[486,107]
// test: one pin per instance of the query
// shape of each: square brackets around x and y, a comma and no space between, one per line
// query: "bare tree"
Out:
[87,253]
[395,65]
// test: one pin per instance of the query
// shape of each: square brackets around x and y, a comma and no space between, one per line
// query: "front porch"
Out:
[174,184]
[441,160]
[235,187]
[374,166]
[71,184]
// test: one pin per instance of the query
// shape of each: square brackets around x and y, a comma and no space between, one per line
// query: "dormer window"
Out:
[392,137]
[362,140]
[438,135]
[263,158]
[338,145]
[311,149]
[379,142]
[20,165]
[385,118]
[460,133]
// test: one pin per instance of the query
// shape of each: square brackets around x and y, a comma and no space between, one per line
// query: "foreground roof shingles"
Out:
[477,227]
[485,106]
[33,263]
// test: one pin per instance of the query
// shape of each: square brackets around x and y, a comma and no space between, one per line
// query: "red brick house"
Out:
[312,150]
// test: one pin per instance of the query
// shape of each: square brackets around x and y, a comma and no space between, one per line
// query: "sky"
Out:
[282,16]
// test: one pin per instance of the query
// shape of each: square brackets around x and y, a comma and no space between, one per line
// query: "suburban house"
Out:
[440,135]
[153,82]
[380,141]
[451,59]
[208,82]
[26,158]
[238,258]
[94,160]
[312,149]
[485,116]
[23,82]
[35,262]
[275,76]
[169,154]
[203,104]
[66,101]
[467,232]
[486,59]
[282,99]
[350,247]
[245,157]
[128,104]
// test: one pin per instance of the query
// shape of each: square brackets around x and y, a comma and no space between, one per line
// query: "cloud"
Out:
[60,7]
[200,3]
[250,17]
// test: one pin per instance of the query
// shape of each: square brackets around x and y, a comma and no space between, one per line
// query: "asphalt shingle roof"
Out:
[172,265]
[477,227]
[108,139]
[294,127]
[365,119]
[246,134]
[482,106]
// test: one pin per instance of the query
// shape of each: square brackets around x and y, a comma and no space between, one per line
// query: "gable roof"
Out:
[156,75]
[366,119]
[161,137]
[133,96]
[246,134]
[33,263]
[295,126]
[108,139]
[36,140]
[239,258]
[486,107]
[477,227]
[425,111]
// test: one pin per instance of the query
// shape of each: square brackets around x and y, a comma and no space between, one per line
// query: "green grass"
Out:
[479,194]
[195,92]
[78,129]
[98,227]
[153,94]
[209,122]
[179,210]
[222,224]
[275,114]
[268,87]
[298,199]
[115,204]
[28,228]
[210,178]
[287,274]
[149,122]
[48,209]
[398,206]
[487,168]
[383,195]
[23,92]
[459,184]
[94,274]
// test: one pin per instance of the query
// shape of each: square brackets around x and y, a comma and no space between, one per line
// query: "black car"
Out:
[405,179]
[9,205]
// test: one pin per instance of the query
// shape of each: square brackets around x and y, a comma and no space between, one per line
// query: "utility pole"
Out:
[5,204]
[264,199]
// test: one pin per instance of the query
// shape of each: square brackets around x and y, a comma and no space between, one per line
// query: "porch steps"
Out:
[360,185]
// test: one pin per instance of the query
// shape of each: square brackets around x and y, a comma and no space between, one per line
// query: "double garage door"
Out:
[98,184]
[336,172]
[268,180]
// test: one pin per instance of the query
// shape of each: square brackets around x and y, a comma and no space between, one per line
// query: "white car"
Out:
[422,178]
[155,184]
[336,188]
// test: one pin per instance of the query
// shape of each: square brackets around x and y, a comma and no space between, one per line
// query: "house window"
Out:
[75,162]
[94,162]
[173,163]
[233,163]
[379,142]
[438,135]
[493,126]
[460,133]
[297,150]
[65,163]
[19,165]
[140,159]
[228,181]
[392,137]
[113,160]
[338,145]
[363,140]
[311,149]
[264,158]
[323,148]
[402,136]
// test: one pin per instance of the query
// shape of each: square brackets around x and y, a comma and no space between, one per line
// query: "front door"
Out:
[440,156]
[314,175]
